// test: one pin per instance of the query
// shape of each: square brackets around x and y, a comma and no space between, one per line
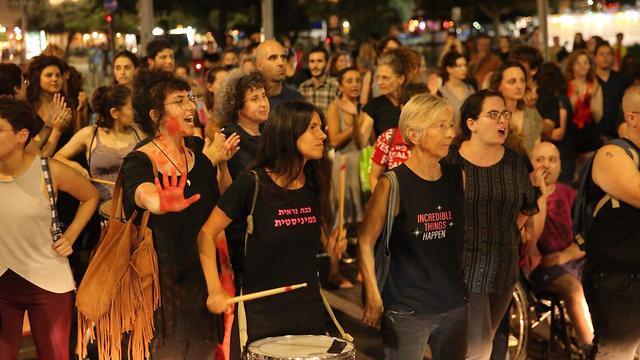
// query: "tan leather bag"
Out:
[120,289]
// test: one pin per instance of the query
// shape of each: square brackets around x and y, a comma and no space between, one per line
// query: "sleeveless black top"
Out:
[426,274]
[613,240]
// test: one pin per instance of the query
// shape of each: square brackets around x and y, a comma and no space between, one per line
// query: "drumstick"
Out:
[265,293]
[103,182]
[341,191]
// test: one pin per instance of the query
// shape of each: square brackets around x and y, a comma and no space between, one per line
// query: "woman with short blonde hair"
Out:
[425,291]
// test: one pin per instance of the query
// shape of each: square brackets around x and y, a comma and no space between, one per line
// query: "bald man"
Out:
[612,276]
[562,260]
[270,62]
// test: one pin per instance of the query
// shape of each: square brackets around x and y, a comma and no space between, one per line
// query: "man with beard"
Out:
[270,62]
[320,90]
[160,55]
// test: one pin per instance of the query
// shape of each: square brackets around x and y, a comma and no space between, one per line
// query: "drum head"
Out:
[299,347]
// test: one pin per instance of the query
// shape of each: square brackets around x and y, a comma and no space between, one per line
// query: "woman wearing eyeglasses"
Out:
[180,196]
[510,80]
[499,200]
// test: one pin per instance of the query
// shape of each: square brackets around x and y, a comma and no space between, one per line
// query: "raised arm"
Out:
[337,136]
[78,144]
[67,180]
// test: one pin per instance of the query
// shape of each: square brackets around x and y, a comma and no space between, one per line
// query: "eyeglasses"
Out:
[184,102]
[496,115]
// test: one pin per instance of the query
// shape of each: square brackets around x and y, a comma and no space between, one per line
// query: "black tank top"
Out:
[613,240]
[426,274]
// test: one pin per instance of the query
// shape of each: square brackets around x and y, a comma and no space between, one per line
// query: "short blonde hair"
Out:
[422,111]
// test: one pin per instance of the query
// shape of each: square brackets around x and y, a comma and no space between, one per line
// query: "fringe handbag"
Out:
[120,289]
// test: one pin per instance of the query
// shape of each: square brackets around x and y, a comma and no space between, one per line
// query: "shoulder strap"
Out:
[56,228]
[629,149]
[391,208]
[242,316]
[95,133]
[253,207]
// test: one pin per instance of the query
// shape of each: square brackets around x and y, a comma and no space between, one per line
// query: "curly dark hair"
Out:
[151,87]
[279,153]
[36,66]
[106,98]
[231,98]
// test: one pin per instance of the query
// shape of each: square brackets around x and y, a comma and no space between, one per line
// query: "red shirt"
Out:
[390,152]
[557,234]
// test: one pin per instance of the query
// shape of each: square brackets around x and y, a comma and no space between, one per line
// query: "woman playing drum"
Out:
[292,214]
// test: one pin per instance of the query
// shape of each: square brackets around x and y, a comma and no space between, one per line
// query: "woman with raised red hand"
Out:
[179,196]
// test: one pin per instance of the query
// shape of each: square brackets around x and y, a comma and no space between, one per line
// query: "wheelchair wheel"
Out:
[518,324]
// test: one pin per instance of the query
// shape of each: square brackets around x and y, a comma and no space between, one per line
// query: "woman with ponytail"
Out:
[107,142]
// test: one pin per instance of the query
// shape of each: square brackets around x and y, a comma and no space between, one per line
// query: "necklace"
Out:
[186,163]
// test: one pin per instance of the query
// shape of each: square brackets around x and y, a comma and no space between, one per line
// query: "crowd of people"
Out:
[476,165]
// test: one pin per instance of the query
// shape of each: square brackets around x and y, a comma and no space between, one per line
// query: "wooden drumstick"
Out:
[341,191]
[265,293]
[103,182]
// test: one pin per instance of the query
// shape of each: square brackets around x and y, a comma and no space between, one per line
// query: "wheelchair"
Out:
[529,309]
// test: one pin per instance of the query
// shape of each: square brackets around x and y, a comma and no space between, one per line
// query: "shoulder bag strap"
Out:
[391,209]
[90,150]
[628,148]
[56,228]
[242,315]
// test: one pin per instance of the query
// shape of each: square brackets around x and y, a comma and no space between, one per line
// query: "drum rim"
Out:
[343,355]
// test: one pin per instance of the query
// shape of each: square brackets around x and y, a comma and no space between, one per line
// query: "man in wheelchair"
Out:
[560,270]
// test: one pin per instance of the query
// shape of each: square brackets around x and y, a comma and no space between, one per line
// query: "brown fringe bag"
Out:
[120,290]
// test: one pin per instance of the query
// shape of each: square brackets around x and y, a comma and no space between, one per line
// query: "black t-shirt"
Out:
[548,105]
[286,94]
[385,115]
[612,92]
[281,251]
[183,314]
[426,273]
[247,153]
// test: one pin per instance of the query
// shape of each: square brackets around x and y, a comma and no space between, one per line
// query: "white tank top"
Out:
[25,233]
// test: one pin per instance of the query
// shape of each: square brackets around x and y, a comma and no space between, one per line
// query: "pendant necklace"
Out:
[174,164]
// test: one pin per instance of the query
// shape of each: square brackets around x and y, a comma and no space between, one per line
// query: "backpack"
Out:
[585,208]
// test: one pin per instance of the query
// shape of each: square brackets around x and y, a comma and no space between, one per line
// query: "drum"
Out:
[300,347]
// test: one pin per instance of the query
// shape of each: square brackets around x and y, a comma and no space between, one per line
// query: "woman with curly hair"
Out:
[243,106]
[45,93]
